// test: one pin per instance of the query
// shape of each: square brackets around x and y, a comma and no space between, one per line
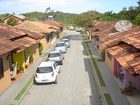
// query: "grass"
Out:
[97,69]
[101,81]
[87,40]
[108,98]
[23,90]
[101,60]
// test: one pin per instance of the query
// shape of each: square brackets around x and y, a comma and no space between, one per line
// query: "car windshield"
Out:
[54,55]
[44,69]
[60,44]
[65,40]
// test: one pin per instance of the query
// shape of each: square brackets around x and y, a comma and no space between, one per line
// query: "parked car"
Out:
[66,37]
[46,72]
[56,56]
[66,42]
[61,46]
[78,29]
[71,28]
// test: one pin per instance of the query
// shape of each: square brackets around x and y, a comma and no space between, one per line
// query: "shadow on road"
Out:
[76,37]
[94,98]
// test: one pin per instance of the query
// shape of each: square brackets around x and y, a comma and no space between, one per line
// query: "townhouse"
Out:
[7,47]
[20,46]
[18,18]
[48,33]
[120,51]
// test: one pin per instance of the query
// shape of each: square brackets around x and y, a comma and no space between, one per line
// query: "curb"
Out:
[16,102]
[96,78]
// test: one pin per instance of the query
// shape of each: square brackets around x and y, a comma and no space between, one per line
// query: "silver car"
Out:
[66,42]
[61,46]
[56,56]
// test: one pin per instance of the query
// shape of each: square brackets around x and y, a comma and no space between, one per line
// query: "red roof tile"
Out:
[7,45]
[25,42]
[127,56]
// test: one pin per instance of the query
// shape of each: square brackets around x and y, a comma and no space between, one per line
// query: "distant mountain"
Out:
[66,18]
[83,19]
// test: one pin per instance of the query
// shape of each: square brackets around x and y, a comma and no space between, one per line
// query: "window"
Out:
[1,67]
[44,69]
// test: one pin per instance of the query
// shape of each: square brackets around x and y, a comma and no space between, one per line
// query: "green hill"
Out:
[66,18]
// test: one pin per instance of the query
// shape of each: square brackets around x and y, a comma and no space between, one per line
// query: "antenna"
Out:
[123,25]
[50,12]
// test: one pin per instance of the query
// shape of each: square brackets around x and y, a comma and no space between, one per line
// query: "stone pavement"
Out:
[112,84]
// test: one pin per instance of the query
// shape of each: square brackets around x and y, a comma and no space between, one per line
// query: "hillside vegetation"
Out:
[88,18]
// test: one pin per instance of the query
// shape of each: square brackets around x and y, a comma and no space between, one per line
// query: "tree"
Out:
[12,22]
[87,18]
[1,20]
[137,20]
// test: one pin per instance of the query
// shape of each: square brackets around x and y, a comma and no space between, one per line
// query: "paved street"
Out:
[76,85]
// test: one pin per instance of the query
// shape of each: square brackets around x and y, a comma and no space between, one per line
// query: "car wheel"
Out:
[34,82]
[61,63]
[59,71]
[55,82]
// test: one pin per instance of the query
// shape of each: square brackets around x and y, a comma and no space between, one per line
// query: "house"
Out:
[120,51]
[28,46]
[112,39]
[122,54]
[7,47]
[100,30]
[47,32]
[19,18]
[126,61]
[55,24]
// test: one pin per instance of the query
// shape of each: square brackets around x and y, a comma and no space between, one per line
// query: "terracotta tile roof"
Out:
[54,23]
[46,27]
[114,38]
[18,36]
[127,56]
[32,34]
[133,39]
[7,45]
[102,28]
[22,17]
[35,26]
[9,33]
[25,42]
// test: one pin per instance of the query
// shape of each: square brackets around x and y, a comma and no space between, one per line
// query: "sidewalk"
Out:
[8,96]
[112,86]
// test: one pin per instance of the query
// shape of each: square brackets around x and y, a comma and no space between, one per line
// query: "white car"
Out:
[61,46]
[56,56]
[46,72]
[66,42]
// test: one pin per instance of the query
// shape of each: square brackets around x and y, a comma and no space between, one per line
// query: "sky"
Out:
[69,6]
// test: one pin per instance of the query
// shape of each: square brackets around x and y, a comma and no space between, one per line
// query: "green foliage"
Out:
[2,17]
[131,13]
[40,48]
[66,18]
[12,22]
[137,20]
[1,21]
[87,18]
[34,16]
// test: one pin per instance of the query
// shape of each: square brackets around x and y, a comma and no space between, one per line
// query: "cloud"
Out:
[73,6]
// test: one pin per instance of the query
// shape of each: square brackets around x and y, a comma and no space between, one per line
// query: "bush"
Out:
[12,22]
[40,48]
